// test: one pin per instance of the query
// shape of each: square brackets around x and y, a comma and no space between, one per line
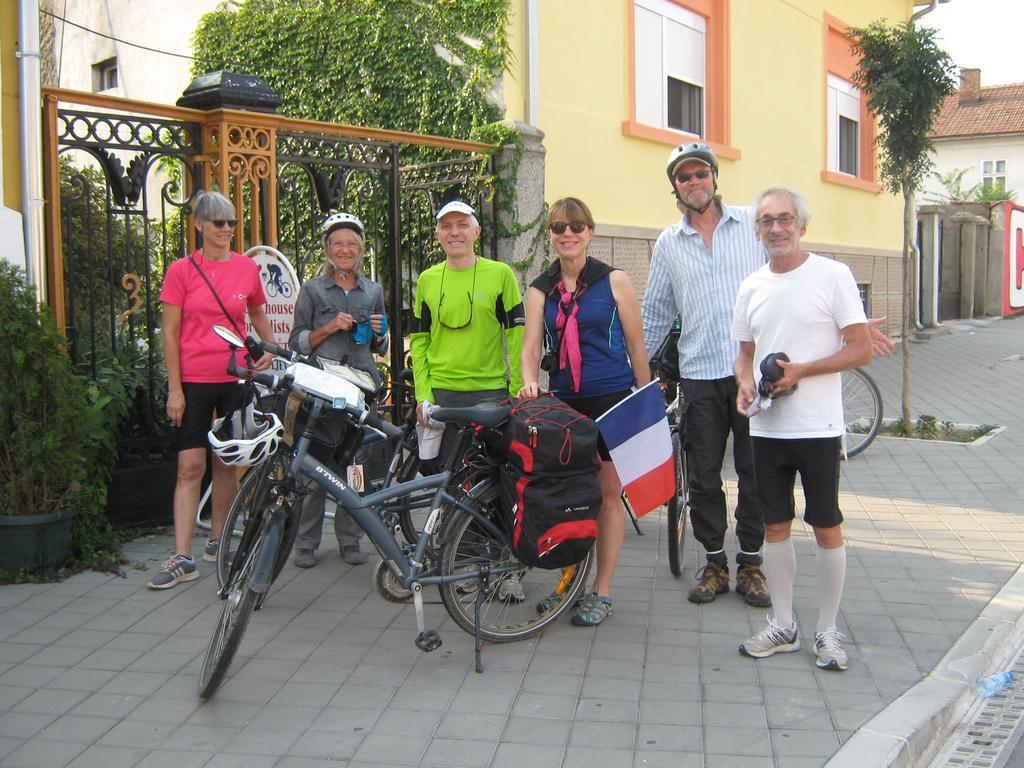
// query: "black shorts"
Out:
[201,402]
[776,463]
[594,407]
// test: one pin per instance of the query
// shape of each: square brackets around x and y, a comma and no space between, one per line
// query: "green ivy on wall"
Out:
[406,65]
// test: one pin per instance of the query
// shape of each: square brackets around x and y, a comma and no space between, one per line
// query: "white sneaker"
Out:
[511,590]
[774,639]
[830,653]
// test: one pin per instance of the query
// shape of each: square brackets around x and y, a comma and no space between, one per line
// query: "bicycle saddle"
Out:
[487,415]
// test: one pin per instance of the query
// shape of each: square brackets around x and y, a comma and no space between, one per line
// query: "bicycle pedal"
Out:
[428,641]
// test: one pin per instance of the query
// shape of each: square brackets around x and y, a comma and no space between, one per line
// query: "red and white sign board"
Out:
[1013,261]
[281,285]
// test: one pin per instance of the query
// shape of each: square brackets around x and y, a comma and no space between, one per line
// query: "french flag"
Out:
[637,435]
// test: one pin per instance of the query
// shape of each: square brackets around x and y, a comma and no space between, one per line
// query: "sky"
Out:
[985,34]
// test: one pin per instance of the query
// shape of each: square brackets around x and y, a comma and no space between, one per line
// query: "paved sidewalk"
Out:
[100,671]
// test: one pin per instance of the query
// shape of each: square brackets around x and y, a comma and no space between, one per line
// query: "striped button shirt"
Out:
[700,286]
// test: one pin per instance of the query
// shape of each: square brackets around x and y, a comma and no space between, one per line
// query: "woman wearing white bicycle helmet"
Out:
[340,316]
[214,285]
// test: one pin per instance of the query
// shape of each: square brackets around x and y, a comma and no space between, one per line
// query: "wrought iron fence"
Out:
[119,174]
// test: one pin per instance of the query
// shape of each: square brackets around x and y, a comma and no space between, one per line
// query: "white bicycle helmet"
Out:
[245,437]
[341,220]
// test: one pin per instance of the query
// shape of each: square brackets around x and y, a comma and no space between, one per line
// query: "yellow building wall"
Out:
[9,129]
[777,120]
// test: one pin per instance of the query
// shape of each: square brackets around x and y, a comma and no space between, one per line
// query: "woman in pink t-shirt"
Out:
[197,360]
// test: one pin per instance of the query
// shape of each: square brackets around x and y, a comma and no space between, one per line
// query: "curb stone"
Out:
[908,732]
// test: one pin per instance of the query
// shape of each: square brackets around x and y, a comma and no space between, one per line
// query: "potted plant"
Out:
[43,420]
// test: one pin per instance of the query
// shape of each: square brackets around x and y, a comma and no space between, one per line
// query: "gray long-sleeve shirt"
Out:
[319,302]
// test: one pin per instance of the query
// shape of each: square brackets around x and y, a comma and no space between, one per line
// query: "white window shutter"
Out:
[684,52]
[650,101]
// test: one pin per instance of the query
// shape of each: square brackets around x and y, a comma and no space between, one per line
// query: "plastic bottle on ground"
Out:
[993,684]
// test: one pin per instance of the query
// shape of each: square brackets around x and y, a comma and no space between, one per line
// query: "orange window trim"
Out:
[716,86]
[840,61]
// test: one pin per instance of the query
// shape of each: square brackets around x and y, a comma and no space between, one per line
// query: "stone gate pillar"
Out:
[524,246]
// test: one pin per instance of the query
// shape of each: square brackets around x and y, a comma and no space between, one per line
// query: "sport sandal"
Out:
[593,610]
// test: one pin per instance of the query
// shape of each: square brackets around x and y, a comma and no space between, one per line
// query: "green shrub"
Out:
[43,406]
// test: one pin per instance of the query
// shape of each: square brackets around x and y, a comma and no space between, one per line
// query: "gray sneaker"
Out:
[210,550]
[174,569]
[828,650]
[304,558]
[353,555]
[510,590]
[774,639]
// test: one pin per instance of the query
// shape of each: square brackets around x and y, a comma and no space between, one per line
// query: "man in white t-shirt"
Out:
[808,308]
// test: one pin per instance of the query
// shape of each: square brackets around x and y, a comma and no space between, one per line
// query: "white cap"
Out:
[455,206]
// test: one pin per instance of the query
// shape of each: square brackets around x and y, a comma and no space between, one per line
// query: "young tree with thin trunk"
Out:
[906,78]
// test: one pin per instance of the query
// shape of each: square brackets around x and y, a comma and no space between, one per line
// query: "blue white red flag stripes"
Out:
[637,434]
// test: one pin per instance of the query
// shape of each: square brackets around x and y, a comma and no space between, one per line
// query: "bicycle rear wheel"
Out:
[234,617]
[518,603]
[677,508]
[862,409]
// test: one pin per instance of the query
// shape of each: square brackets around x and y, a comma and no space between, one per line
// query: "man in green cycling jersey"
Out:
[468,322]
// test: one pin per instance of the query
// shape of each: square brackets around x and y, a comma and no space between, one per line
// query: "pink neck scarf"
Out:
[568,331]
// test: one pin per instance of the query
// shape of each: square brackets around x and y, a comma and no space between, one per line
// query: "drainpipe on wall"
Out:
[31,124]
[532,65]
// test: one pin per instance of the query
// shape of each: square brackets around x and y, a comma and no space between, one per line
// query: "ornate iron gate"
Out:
[119,174]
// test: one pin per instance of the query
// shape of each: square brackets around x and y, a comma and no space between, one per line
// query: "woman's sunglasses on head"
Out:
[558,227]
[221,223]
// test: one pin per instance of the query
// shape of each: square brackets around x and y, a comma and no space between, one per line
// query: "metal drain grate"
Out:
[988,727]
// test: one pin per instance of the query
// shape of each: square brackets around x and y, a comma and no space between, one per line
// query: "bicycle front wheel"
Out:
[862,409]
[250,500]
[519,602]
[234,618]
[677,508]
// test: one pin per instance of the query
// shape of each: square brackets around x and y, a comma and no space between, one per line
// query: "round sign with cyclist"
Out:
[281,285]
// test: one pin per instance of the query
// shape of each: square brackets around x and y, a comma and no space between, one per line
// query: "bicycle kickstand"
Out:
[483,573]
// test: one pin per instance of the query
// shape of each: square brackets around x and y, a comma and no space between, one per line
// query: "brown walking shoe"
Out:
[751,583]
[712,580]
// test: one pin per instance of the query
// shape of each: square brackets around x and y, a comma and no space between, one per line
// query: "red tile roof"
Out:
[1000,111]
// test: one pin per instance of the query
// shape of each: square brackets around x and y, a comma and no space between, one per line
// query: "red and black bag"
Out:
[549,483]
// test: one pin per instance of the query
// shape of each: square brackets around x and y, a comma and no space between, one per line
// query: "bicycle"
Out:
[665,365]
[862,411]
[465,551]
[254,488]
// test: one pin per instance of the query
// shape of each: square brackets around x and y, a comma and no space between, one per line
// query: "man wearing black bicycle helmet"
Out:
[798,320]
[696,268]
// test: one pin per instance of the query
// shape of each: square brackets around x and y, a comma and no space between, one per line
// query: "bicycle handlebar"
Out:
[273,381]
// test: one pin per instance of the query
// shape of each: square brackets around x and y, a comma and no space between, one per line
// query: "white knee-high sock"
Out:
[780,570]
[830,571]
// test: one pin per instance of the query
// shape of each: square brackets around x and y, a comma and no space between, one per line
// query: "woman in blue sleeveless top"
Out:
[587,314]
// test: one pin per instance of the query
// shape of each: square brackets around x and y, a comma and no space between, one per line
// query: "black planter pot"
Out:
[35,542]
[141,489]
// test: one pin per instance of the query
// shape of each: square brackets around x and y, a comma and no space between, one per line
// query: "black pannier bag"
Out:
[549,482]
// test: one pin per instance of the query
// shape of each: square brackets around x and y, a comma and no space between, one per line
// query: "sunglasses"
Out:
[682,178]
[469,298]
[558,227]
[221,223]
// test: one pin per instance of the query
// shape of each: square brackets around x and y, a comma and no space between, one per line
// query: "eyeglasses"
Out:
[221,223]
[784,221]
[558,227]
[469,297]
[682,178]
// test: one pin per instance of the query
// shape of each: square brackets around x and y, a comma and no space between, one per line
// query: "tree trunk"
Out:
[907,325]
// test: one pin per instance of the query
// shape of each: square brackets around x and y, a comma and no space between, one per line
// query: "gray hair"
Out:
[472,220]
[803,213]
[209,206]
[329,267]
